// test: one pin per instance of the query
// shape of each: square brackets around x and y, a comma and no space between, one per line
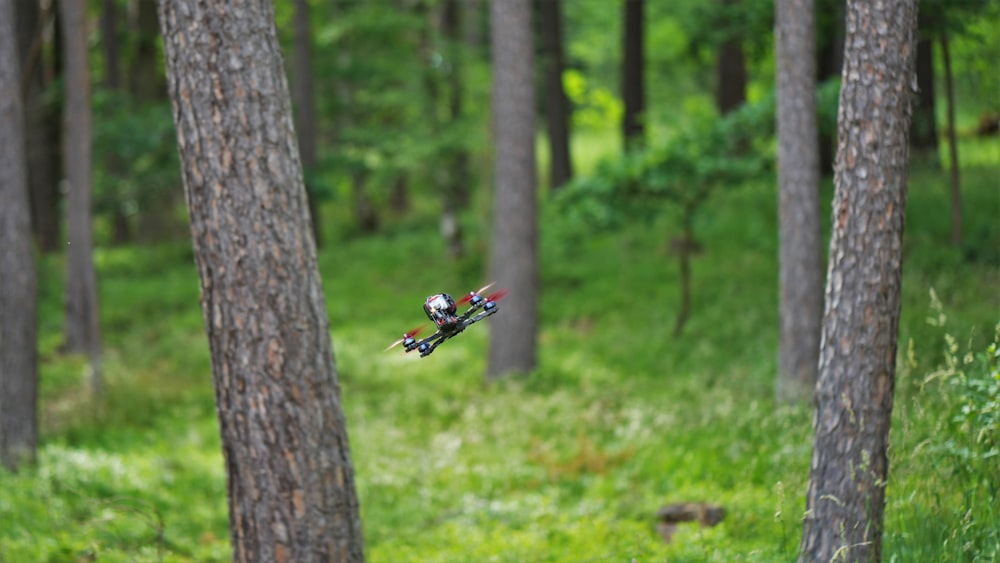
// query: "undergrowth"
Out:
[567,464]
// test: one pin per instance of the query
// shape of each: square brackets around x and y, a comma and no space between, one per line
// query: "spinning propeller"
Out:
[412,333]
[474,294]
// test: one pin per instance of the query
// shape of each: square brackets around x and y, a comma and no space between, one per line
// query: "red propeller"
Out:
[497,295]
[468,297]
[409,334]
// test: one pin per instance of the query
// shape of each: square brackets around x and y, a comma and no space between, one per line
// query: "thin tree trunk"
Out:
[557,108]
[290,481]
[456,190]
[41,126]
[954,168]
[121,228]
[515,214]
[18,314]
[82,327]
[801,275]
[633,79]
[923,132]
[854,395]
[731,71]
[830,62]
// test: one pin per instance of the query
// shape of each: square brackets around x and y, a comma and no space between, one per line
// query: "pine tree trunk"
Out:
[515,239]
[18,317]
[82,328]
[857,367]
[801,275]
[290,478]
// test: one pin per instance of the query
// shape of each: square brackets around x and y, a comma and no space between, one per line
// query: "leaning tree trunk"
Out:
[846,496]
[18,318]
[515,212]
[291,483]
[801,274]
[81,324]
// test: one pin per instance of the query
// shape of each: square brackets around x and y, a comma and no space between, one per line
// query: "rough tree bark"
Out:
[633,77]
[82,330]
[801,269]
[846,495]
[18,317]
[515,212]
[557,108]
[290,479]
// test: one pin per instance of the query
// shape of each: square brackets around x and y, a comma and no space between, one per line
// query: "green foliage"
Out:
[680,173]
[969,386]
[136,172]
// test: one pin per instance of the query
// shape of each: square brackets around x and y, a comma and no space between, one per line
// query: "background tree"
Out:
[846,496]
[557,108]
[304,102]
[923,131]
[731,64]
[288,464]
[800,278]
[633,72]
[18,318]
[82,329]
[515,222]
[457,173]
[41,119]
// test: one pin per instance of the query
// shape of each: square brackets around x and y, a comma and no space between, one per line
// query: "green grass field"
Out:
[569,463]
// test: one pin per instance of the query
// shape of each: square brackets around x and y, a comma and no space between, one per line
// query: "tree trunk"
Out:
[829,63]
[304,101]
[846,495]
[633,79]
[557,109]
[18,317]
[290,479]
[956,183]
[730,72]
[121,227]
[801,276]
[82,326]
[146,77]
[515,239]
[456,186]
[41,125]
[923,131]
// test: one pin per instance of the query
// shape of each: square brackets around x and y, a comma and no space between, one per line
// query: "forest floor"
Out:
[568,463]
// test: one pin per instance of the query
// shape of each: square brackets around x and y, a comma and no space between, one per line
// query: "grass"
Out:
[567,464]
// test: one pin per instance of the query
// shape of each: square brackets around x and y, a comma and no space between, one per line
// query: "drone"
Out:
[442,310]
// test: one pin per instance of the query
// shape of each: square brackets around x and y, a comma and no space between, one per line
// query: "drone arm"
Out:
[480,316]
